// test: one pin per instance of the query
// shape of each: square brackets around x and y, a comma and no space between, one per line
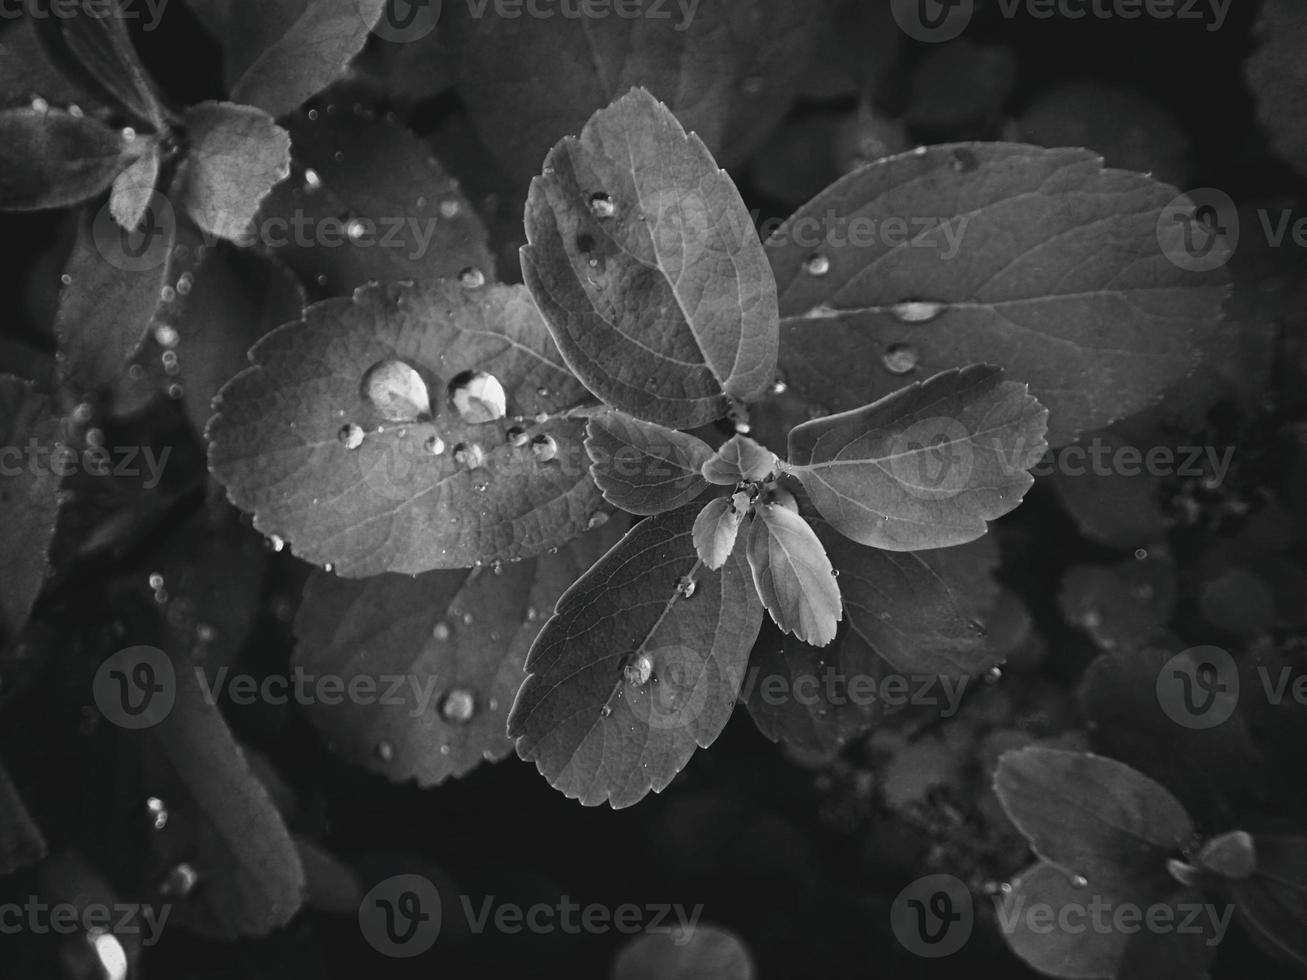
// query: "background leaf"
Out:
[281,440]
[707,953]
[641,467]
[926,467]
[648,270]
[52,158]
[638,667]
[1276,74]
[21,840]
[1038,261]
[458,639]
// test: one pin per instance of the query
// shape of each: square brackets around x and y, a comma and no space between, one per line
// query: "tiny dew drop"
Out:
[156,581]
[350,436]
[385,751]
[434,445]
[605,712]
[441,632]
[778,387]
[167,294]
[450,207]
[686,587]
[602,206]
[916,311]
[158,812]
[165,335]
[544,448]
[277,542]
[458,706]
[993,675]
[311,179]
[597,519]
[1079,881]
[817,265]
[180,880]
[517,437]
[40,105]
[469,454]
[472,278]
[638,671]
[900,359]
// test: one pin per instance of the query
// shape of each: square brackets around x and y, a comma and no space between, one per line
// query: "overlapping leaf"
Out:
[299,444]
[1278,78]
[925,467]
[644,468]
[21,840]
[237,154]
[639,666]
[53,158]
[1039,261]
[792,574]
[740,460]
[646,266]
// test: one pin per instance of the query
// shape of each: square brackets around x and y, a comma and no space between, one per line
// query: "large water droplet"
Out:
[109,951]
[544,448]
[638,671]
[602,206]
[817,265]
[397,391]
[434,445]
[900,359]
[916,311]
[472,278]
[478,396]
[458,706]
[180,881]
[158,812]
[350,436]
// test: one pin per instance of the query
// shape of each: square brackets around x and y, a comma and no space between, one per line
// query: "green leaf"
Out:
[792,574]
[21,840]
[647,268]
[237,154]
[133,190]
[280,53]
[1273,902]
[740,460]
[1038,261]
[639,666]
[706,953]
[447,647]
[1108,505]
[303,440]
[1092,816]
[370,202]
[29,498]
[223,822]
[715,531]
[644,468]
[101,48]
[925,467]
[730,72]
[1278,78]
[52,158]
[1126,604]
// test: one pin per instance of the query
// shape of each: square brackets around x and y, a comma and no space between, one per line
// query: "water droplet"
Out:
[66,279]
[385,751]
[532,614]
[472,278]
[322,280]
[441,632]
[434,445]
[339,156]
[397,391]
[277,542]
[743,428]
[109,951]
[312,180]
[355,229]
[1079,881]
[169,362]
[478,397]
[40,105]
[602,206]
[605,712]
[458,706]
[167,294]
[517,437]
[205,633]
[817,265]
[180,881]
[778,387]
[686,587]
[158,812]
[638,671]
[468,619]
[175,392]
[993,675]
[900,359]
[185,284]
[1141,554]
[350,436]
[128,133]
[469,454]
[597,519]
[450,207]
[544,448]
[313,115]
[916,311]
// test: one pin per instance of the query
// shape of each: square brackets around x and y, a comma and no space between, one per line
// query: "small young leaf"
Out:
[647,268]
[299,444]
[644,468]
[927,466]
[1092,816]
[226,827]
[639,666]
[1277,76]
[740,460]
[280,53]
[702,953]
[50,158]
[1089,304]
[457,641]
[793,576]
[21,840]
[237,154]
[368,202]
[133,190]
[1230,855]
[29,499]
[715,531]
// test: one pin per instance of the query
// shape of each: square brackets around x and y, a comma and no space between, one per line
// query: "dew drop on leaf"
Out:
[40,105]
[458,706]
[605,711]
[900,359]
[478,397]
[916,311]
[397,391]
[450,207]
[517,437]
[434,445]
[686,586]
[602,206]
[350,436]
[469,454]
[597,519]
[355,230]
[385,751]
[312,181]
[1079,881]
[158,812]
[993,675]
[817,265]
[180,881]
[472,278]
[167,294]
[544,447]
[156,581]
[441,632]
[778,387]
[185,283]
[277,542]
[638,671]
[110,953]
[165,335]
